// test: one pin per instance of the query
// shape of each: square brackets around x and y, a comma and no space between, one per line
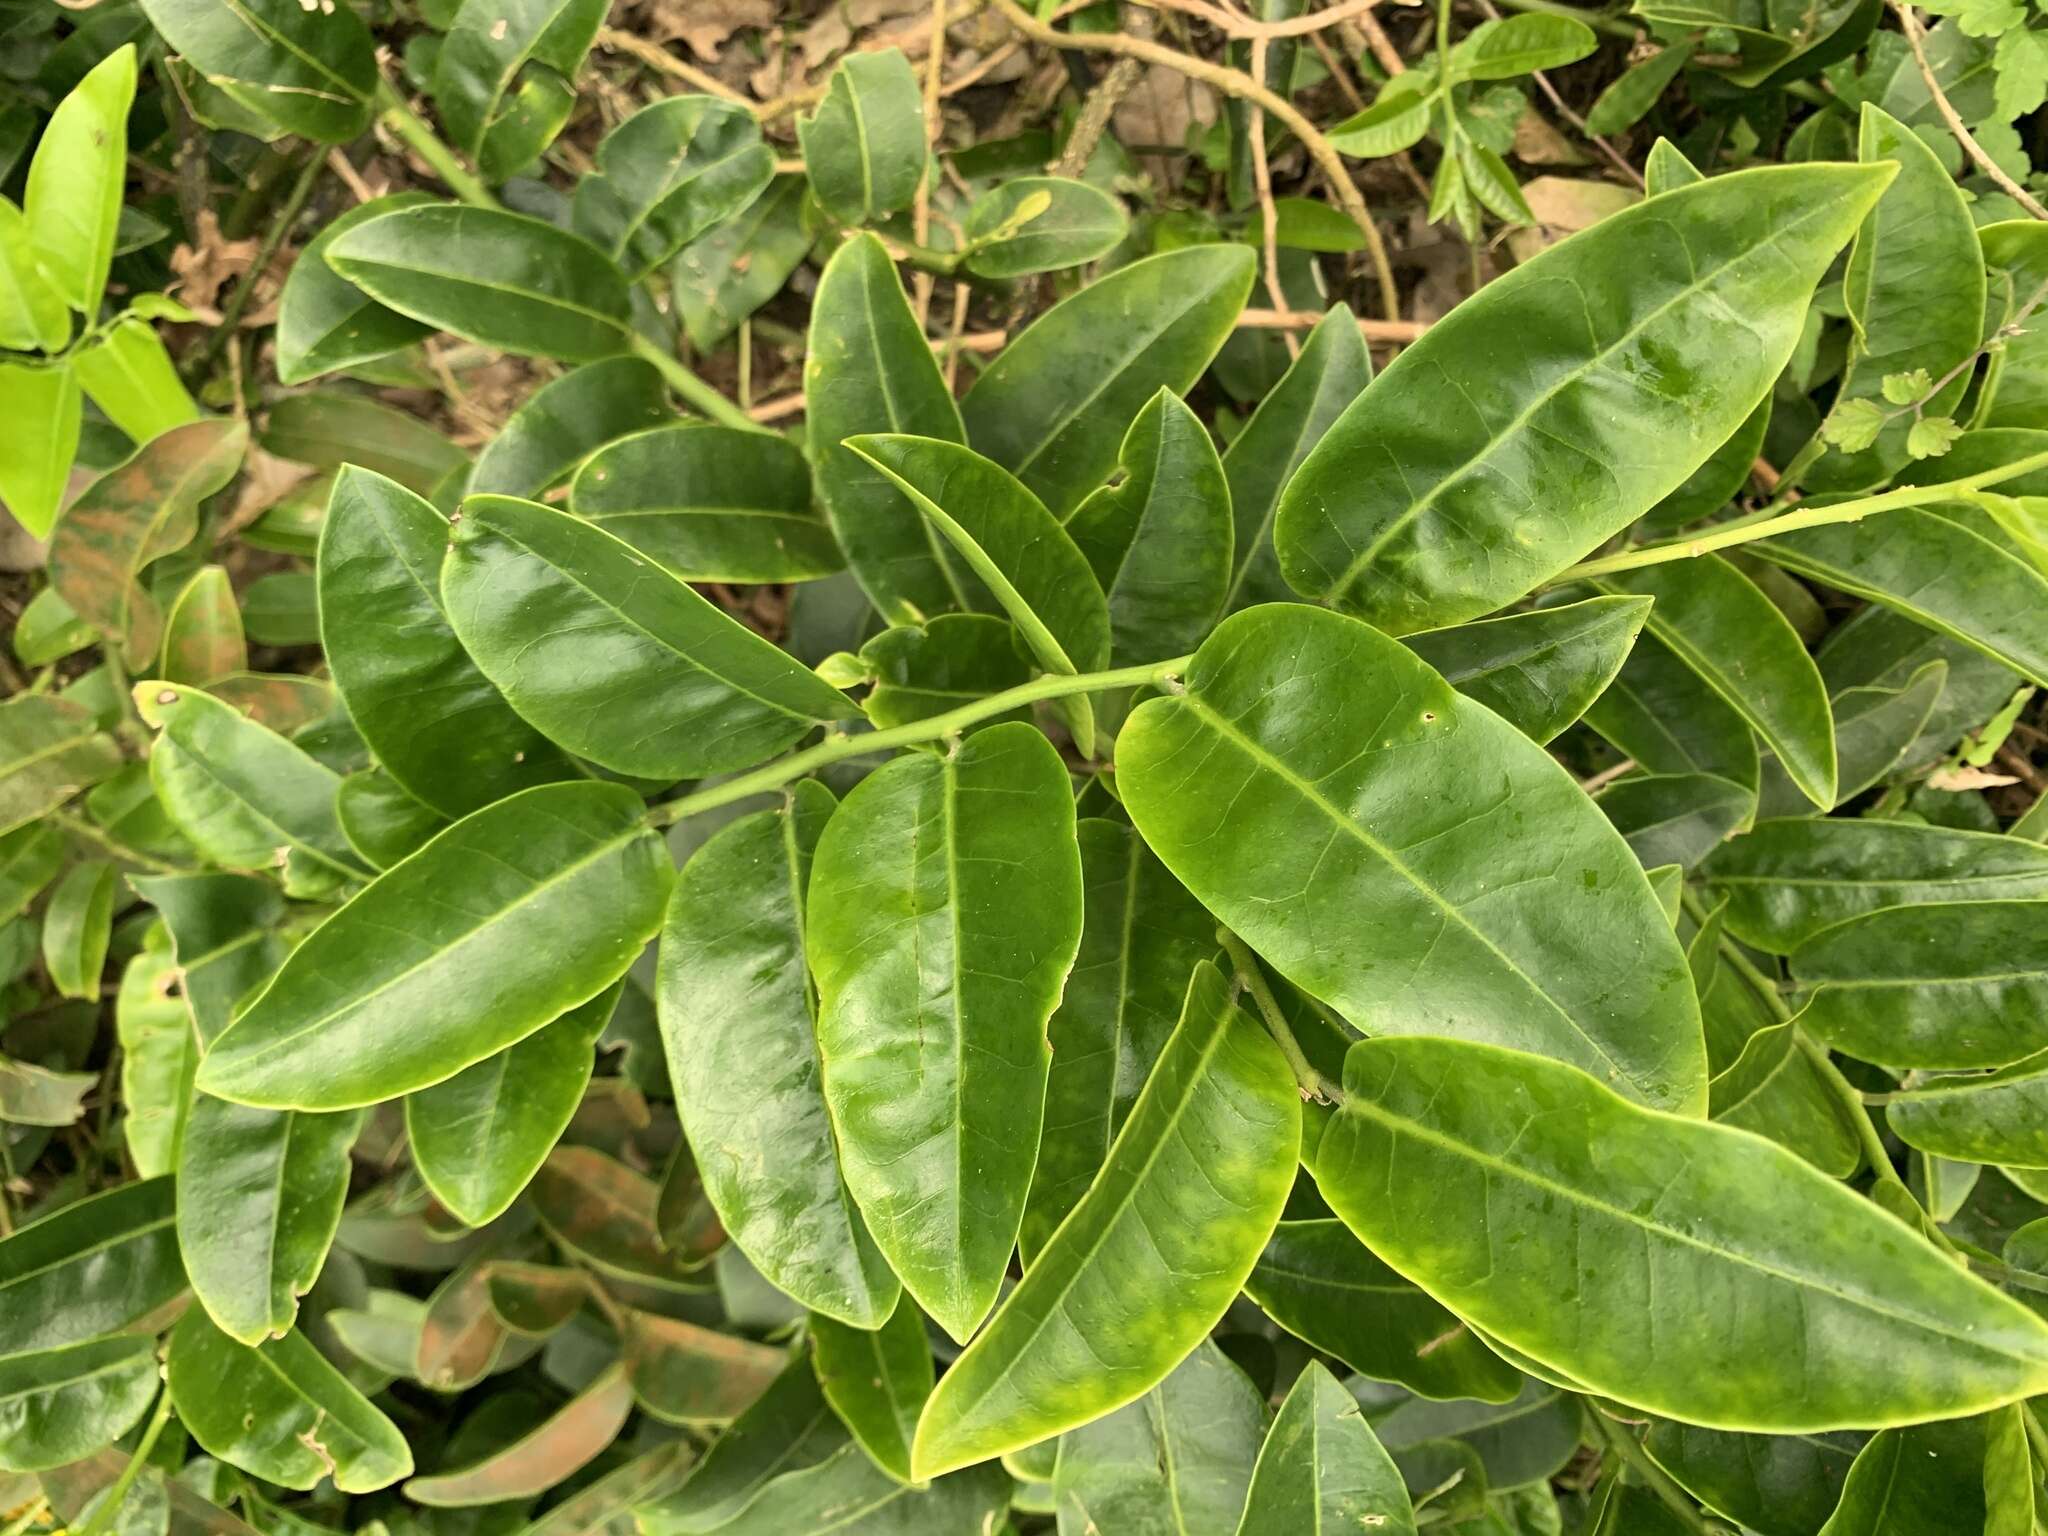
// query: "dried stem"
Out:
[1909,24]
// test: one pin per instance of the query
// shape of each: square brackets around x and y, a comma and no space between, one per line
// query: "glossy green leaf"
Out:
[1041,224]
[203,637]
[1785,881]
[1507,46]
[280,1411]
[381,821]
[721,278]
[326,428]
[1151,1256]
[733,999]
[1674,818]
[1322,1469]
[29,860]
[1721,475]
[864,144]
[561,887]
[1915,1482]
[224,936]
[60,1405]
[1661,713]
[1538,670]
[434,721]
[709,503]
[50,749]
[504,76]
[1322,792]
[610,1505]
[1160,540]
[499,279]
[1054,406]
[1520,1442]
[94,1267]
[311,71]
[1876,729]
[1720,624]
[48,630]
[848,1495]
[36,461]
[1491,1145]
[546,603]
[77,923]
[943,913]
[669,173]
[603,1213]
[1324,1286]
[566,420]
[877,1381]
[1453,526]
[686,1374]
[921,670]
[1777,1485]
[131,378]
[73,197]
[32,311]
[35,1095]
[549,1453]
[534,1299]
[1992,1119]
[787,1429]
[1772,1088]
[1142,936]
[324,322]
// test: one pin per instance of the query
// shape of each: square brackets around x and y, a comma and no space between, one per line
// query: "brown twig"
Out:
[659,59]
[1557,102]
[1243,27]
[1909,24]
[1262,184]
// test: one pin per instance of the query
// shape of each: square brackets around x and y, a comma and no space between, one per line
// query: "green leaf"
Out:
[1160,541]
[1875,730]
[1142,935]
[1494,1147]
[1538,670]
[1452,528]
[434,721]
[1054,406]
[1785,881]
[877,1381]
[131,377]
[709,503]
[1777,1485]
[1921,1481]
[478,1137]
[32,312]
[721,278]
[546,1455]
[203,638]
[1186,1199]
[545,603]
[1508,46]
[280,1411]
[732,995]
[76,926]
[159,1053]
[685,1374]
[787,1429]
[311,71]
[1718,479]
[939,956]
[1406,855]
[381,821]
[561,885]
[602,1213]
[73,198]
[60,1405]
[504,77]
[96,1266]
[326,428]
[29,860]
[136,513]
[223,934]
[1397,119]
[869,369]
[49,631]
[260,1193]
[1991,1119]
[668,174]
[324,322]
[1326,1288]
[2022,73]
[498,279]
[1661,713]
[864,144]
[1520,1443]
[848,1495]
[50,749]
[1041,224]
[35,458]
[1773,1089]
[1630,96]
[921,670]
[566,420]
[1332,368]
[1322,1469]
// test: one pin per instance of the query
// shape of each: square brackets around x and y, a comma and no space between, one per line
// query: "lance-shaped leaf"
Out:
[326,323]
[1719,623]
[921,670]
[1926,1480]
[869,369]
[59,1405]
[1784,881]
[326,428]
[95,1267]
[30,858]
[260,1193]
[1321,1468]
[503,76]
[1160,540]
[1539,670]
[478,1136]
[382,822]
[1461,479]
[1876,729]
[944,911]
[864,144]
[789,1427]
[460,1338]
[1149,1259]
[1720,476]
[1776,1485]
[611,657]
[36,467]
[1674,818]
[1774,1089]
[138,512]
[224,935]
[245,796]
[1519,1442]
[159,1053]
[1325,1287]
[1994,1119]
[709,503]
[1054,406]
[848,1493]
[33,315]
[203,637]
[1958,985]
[1333,367]
[561,886]
[77,922]
[534,1299]
[280,1412]
[499,279]
[736,1021]
[1492,1146]
[1662,713]
[1406,855]
[50,750]
[722,277]
[610,1506]
[1142,935]
[877,1381]
[567,419]
[433,720]
[603,1213]
[73,197]
[686,1374]
[1041,224]
[551,1452]
[669,173]
[311,71]
[129,374]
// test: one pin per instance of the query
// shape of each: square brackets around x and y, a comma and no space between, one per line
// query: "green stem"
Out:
[692,388]
[1313,1084]
[394,114]
[839,746]
[117,1493]
[280,226]
[1791,522]
[1655,1478]
[78,826]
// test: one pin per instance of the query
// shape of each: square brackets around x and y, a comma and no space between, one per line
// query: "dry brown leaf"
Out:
[704,25]
[1964,777]
[1538,142]
[204,269]
[1163,108]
